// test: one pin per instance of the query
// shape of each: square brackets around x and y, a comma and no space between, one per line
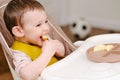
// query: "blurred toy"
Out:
[80,29]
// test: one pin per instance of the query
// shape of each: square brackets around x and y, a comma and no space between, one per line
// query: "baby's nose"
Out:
[46,29]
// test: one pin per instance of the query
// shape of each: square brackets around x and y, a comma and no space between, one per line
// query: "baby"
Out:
[32,52]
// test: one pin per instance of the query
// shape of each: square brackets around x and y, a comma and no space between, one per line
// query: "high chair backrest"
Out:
[6,39]
[7,53]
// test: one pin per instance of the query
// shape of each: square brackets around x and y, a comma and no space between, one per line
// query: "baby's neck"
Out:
[21,40]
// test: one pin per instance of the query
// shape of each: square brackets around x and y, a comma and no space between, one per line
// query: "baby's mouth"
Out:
[43,37]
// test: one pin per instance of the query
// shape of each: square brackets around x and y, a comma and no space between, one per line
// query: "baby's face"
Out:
[35,24]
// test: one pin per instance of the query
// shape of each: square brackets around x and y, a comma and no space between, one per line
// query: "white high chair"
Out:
[76,66]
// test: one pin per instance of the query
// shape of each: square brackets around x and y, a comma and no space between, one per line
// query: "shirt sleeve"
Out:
[20,59]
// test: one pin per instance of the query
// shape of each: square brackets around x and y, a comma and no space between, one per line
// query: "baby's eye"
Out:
[46,21]
[38,25]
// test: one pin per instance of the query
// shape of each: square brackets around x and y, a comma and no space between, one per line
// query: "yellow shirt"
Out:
[32,51]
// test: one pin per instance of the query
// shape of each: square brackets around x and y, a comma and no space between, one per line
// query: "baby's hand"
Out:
[50,47]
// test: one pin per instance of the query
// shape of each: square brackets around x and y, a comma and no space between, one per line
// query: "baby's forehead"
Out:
[32,12]
[34,16]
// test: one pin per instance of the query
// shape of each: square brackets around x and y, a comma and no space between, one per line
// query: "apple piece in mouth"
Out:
[44,37]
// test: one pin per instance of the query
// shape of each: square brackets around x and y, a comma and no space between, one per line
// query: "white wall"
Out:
[56,9]
[100,13]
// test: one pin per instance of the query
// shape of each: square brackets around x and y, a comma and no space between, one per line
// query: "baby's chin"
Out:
[41,40]
[40,43]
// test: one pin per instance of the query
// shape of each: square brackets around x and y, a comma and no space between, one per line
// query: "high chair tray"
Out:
[76,66]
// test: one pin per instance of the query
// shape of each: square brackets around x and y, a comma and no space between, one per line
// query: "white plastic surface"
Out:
[76,66]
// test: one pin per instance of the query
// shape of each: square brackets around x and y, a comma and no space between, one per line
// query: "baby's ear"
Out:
[18,31]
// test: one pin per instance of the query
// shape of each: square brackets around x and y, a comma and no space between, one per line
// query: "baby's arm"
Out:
[33,69]
[60,49]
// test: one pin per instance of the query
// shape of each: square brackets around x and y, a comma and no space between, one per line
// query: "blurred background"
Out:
[103,16]
[79,19]
[99,13]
